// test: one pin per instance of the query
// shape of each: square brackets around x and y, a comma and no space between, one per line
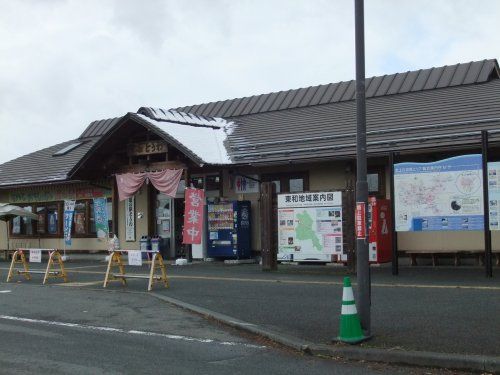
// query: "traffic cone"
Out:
[350,327]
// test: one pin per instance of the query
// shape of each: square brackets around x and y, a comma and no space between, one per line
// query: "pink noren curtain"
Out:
[165,181]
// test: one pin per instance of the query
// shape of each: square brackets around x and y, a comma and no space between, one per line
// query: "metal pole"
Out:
[395,259]
[362,265]
[487,233]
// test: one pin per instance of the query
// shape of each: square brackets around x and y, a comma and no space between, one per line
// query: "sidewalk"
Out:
[434,316]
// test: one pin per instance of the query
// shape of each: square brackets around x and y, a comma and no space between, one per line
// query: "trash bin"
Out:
[160,244]
[145,244]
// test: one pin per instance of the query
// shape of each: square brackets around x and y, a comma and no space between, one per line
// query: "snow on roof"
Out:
[203,138]
[171,115]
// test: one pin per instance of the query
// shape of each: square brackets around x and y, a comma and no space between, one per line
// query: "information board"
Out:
[445,195]
[310,226]
[134,258]
[494,194]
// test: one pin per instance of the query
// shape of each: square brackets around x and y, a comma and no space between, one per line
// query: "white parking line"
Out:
[5,291]
[129,332]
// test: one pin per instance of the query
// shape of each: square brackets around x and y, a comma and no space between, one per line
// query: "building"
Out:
[303,140]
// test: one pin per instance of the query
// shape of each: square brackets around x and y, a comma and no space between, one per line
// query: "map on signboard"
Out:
[443,195]
[309,226]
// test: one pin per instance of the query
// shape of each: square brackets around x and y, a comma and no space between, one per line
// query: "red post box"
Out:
[380,230]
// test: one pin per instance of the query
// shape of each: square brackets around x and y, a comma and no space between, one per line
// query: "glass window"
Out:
[213,182]
[197,182]
[52,219]
[40,224]
[27,223]
[80,218]
[296,185]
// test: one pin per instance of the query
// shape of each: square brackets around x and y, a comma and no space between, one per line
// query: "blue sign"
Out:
[69,210]
[446,195]
[101,217]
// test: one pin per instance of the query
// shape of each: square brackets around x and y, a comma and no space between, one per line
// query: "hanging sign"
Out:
[35,256]
[101,217]
[193,216]
[134,258]
[147,148]
[360,220]
[130,219]
[69,210]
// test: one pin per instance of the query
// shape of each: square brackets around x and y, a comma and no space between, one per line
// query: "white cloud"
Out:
[67,63]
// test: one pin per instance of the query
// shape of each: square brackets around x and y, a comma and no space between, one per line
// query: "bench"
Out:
[456,255]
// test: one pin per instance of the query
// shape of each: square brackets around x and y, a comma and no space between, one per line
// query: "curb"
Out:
[413,358]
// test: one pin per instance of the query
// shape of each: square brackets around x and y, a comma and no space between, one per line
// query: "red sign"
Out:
[194,200]
[360,220]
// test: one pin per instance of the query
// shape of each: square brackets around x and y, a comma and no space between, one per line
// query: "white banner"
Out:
[130,219]
[134,258]
[35,256]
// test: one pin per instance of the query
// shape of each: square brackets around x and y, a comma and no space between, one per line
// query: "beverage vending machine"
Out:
[228,230]
[380,230]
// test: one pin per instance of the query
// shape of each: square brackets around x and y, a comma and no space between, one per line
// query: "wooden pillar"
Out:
[269,252]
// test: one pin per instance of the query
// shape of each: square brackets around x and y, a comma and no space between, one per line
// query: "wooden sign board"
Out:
[147,148]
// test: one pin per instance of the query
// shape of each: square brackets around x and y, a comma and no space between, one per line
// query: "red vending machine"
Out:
[380,233]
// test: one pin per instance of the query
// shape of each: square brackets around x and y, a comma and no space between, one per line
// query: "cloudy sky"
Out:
[65,63]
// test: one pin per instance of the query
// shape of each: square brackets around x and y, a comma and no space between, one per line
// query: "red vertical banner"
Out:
[360,220]
[194,199]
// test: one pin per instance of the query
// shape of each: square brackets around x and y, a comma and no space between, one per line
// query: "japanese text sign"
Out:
[193,216]
[134,258]
[35,256]
[360,220]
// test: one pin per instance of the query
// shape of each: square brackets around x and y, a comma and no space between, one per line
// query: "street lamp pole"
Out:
[362,265]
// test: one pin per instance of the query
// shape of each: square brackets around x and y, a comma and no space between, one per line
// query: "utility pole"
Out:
[362,265]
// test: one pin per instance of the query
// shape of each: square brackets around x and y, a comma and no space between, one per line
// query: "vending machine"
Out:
[380,230]
[228,230]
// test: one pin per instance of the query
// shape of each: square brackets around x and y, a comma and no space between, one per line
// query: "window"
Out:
[50,223]
[376,181]
[213,182]
[67,149]
[288,182]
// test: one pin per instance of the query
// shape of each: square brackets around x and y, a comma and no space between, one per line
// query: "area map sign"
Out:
[446,195]
[309,226]
[494,194]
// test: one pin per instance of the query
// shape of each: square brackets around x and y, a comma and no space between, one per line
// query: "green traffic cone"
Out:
[350,327]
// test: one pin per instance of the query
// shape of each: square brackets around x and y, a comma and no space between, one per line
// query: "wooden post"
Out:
[269,252]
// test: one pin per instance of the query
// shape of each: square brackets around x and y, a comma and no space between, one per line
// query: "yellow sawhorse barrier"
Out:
[19,257]
[115,261]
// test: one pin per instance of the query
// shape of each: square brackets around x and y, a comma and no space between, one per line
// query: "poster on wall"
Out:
[494,194]
[130,219]
[248,184]
[445,195]
[310,226]
[101,217]
[69,210]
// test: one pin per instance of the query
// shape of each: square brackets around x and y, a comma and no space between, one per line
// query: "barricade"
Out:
[55,259]
[135,259]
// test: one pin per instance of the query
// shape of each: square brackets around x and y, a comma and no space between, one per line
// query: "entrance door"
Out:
[163,220]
